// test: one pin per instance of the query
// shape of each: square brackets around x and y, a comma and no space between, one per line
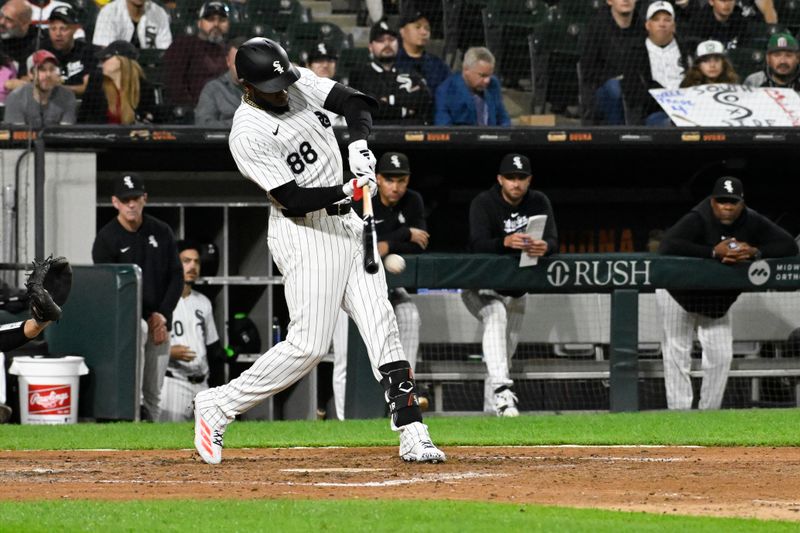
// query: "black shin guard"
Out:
[401,392]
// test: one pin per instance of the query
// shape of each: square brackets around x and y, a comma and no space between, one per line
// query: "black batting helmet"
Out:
[264,64]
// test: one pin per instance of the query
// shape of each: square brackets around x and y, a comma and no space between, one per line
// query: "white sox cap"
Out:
[660,5]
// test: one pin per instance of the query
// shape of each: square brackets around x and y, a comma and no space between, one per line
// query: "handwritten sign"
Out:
[730,105]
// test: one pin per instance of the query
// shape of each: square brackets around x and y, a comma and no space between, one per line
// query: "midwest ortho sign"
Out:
[599,273]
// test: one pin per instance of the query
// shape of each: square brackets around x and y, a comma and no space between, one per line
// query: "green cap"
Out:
[782,41]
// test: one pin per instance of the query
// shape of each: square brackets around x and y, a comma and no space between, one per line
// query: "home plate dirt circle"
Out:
[745,482]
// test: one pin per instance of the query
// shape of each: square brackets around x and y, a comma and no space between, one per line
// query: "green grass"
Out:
[773,427]
[358,515]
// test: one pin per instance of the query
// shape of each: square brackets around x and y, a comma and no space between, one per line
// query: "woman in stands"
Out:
[711,65]
[118,93]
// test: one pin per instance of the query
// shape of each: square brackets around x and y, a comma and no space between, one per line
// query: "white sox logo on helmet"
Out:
[128,182]
[395,161]
[278,67]
[517,162]
[728,186]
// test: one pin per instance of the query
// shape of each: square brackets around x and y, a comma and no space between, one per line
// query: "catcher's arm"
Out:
[48,284]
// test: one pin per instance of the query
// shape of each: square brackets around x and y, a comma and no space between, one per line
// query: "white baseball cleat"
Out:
[505,403]
[416,445]
[209,428]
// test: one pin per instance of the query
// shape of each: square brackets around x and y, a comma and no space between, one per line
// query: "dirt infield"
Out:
[744,482]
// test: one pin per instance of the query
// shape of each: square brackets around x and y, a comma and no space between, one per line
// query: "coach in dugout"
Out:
[723,228]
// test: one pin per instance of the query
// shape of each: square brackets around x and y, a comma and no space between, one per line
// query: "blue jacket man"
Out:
[472,97]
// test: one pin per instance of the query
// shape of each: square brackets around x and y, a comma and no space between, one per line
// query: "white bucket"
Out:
[48,388]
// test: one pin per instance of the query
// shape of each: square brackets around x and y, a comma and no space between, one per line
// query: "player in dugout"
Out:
[720,227]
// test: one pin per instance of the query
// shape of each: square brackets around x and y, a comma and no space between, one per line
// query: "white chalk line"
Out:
[332,470]
[425,478]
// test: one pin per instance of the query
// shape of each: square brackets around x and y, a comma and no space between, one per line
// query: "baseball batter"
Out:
[723,228]
[282,140]
[498,219]
[194,341]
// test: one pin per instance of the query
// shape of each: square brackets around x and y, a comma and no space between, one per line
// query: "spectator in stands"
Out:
[143,23]
[602,62]
[415,33]
[711,65]
[659,61]
[781,65]
[220,97]
[19,37]
[720,227]
[135,237]
[41,11]
[720,20]
[118,92]
[498,221]
[193,60]
[44,102]
[472,97]
[403,97]
[75,57]
[321,60]
[8,74]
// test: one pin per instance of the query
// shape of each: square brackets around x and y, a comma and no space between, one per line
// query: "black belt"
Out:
[191,379]
[333,210]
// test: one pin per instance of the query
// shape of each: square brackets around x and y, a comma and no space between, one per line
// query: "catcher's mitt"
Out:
[48,287]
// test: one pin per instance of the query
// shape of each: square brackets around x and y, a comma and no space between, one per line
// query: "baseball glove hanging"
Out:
[48,287]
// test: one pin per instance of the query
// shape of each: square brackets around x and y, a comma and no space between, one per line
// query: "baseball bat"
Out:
[371,255]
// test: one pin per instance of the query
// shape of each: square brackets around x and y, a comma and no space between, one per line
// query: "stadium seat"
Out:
[747,60]
[579,11]
[87,15]
[506,24]
[183,27]
[278,14]
[554,55]
[249,29]
[302,36]
[789,14]
[150,60]
[350,58]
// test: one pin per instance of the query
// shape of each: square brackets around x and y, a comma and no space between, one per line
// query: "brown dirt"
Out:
[745,482]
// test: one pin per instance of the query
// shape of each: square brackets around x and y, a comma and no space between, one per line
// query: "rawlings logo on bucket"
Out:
[49,399]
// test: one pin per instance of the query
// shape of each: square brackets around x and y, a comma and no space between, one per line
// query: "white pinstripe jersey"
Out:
[272,149]
[193,326]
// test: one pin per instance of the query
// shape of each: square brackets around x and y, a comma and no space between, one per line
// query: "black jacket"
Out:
[491,219]
[403,97]
[699,231]
[704,26]
[601,44]
[153,248]
[94,106]
[637,80]
[392,223]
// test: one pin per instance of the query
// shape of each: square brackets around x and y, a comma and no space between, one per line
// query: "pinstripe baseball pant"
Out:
[321,259]
[501,317]
[716,340]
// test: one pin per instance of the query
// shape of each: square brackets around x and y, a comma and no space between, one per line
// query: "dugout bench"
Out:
[591,300]
[577,328]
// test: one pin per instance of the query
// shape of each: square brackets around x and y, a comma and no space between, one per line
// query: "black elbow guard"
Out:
[337,99]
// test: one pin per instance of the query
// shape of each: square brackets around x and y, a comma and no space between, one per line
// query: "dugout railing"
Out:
[602,301]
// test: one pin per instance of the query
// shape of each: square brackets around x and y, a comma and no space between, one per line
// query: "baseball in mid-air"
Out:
[394,263]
